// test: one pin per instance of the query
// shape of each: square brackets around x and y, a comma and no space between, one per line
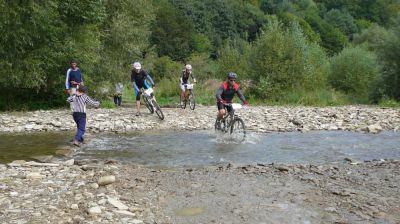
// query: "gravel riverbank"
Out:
[261,119]
[105,191]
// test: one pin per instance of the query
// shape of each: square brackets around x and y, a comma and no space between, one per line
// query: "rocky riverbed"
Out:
[66,190]
[261,119]
[108,192]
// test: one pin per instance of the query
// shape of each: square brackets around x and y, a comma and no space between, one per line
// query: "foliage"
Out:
[280,61]
[332,39]
[354,71]
[342,20]
[234,57]
[125,38]
[164,67]
[172,33]
[284,61]
[385,44]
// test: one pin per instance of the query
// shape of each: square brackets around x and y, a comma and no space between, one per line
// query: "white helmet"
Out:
[188,67]
[137,65]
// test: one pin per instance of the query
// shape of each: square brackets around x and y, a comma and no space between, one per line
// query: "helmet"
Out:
[232,75]
[188,67]
[137,65]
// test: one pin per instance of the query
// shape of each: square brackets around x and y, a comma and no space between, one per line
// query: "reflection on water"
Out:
[27,146]
[197,148]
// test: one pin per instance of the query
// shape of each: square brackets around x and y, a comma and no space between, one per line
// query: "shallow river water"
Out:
[199,148]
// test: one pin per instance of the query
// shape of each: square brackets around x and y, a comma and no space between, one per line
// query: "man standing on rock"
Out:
[73,78]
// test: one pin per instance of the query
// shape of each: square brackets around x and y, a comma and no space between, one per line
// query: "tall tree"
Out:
[172,33]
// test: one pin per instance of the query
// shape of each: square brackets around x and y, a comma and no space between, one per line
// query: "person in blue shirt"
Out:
[140,79]
[73,78]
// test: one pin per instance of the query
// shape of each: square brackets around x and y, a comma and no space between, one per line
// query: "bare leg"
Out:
[138,106]
[221,114]
[182,95]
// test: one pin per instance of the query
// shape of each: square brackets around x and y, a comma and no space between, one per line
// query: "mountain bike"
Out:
[189,97]
[151,103]
[232,123]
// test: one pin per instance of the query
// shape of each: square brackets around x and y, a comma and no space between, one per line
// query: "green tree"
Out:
[341,20]
[234,57]
[332,39]
[284,61]
[172,33]
[125,38]
[354,71]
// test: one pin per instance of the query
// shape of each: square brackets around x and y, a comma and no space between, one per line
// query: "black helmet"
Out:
[232,75]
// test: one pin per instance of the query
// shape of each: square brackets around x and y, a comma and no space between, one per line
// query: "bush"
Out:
[354,71]
[284,61]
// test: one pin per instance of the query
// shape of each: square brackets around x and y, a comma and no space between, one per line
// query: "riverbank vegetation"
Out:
[307,52]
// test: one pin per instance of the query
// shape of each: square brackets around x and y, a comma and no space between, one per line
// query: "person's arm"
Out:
[219,92]
[70,99]
[135,86]
[181,79]
[91,102]
[67,79]
[194,79]
[241,97]
[81,83]
[148,77]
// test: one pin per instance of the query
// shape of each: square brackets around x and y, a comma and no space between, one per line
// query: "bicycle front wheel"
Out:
[148,105]
[158,110]
[192,102]
[238,130]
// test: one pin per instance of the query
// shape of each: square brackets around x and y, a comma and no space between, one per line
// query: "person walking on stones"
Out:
[78,103]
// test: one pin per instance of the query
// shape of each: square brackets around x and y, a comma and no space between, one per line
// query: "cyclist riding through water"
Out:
[225,94]
[140,79]
[184,79]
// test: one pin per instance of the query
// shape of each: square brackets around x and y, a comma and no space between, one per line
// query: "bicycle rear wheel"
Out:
[158,110]
[238,130]
[148,105]
[192,102]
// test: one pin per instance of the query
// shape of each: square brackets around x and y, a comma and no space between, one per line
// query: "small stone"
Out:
[69,162]
[116,203]
[74,206]
[123,212]
[105,180]
[34,176]
[94,185]
[96,210]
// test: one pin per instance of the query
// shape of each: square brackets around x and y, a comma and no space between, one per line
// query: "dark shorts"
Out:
[222,106]
[138,93]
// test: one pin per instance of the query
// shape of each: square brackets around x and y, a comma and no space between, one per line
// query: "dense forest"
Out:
[308,52]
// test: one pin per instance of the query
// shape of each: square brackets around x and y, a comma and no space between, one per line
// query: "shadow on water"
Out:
[199,148]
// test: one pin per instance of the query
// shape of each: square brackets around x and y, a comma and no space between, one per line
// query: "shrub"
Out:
[353,71]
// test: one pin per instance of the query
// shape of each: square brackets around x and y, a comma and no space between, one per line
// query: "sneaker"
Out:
[76,143]
[138,113]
